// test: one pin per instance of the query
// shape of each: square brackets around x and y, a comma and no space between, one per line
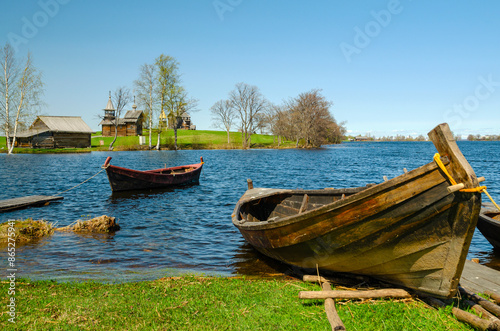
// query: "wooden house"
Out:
[129,125]
[55,132]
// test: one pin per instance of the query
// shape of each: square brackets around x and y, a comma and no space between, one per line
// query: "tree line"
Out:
[305,119]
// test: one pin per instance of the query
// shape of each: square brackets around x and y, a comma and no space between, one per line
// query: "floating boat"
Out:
[489,225]
[413,230]
[123,179]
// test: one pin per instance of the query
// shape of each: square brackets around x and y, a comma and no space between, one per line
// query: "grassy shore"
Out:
[186,139]
[204,303]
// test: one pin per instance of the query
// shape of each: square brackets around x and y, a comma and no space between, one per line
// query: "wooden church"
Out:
[129,125]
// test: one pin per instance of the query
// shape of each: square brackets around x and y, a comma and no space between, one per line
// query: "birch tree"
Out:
[146,87]
[160,92]
[168,78]
[121,97]
[21,89]
[223,116]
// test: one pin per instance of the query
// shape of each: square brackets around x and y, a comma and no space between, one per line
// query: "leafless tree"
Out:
[223,116]
[21,89]
[145,88]
[249,103]
[121,97]
[279,121]
[310,119]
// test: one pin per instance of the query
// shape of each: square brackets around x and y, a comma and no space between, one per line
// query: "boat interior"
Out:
[277,206]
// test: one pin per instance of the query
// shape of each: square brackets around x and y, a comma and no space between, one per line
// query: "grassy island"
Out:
[186,139]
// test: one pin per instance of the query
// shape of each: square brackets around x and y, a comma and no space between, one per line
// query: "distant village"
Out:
[470,137]
[73,132]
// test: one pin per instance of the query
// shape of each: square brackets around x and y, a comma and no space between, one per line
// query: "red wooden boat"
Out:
[123,179]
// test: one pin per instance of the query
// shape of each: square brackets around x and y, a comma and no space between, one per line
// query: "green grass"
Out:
[191,139]
[199,303]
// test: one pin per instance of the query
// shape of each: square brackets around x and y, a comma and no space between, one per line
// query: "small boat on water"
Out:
[124,179]
[489,225]
[413,230]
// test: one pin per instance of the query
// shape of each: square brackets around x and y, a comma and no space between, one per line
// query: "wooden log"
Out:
[478,309]
[494,296]
[481,179]
[475,321]
[250,184]
[314,279]
[488,305]
[454,188]
[463,316]
[369,294]
[331,312]
[305,201]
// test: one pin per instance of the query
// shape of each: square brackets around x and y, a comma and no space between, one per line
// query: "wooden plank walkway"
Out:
[33,200]
[479,278]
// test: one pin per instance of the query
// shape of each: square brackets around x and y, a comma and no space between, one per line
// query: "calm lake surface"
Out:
[175,231]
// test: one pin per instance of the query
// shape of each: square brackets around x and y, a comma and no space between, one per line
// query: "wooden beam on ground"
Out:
[494,296]
[488,305]
[331,312]
[463,316]
[23,202]
[368,294]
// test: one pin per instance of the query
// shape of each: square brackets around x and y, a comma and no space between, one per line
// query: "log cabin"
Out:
[55,132]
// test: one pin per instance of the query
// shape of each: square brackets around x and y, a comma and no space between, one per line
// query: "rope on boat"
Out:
[480,189]
[86,180]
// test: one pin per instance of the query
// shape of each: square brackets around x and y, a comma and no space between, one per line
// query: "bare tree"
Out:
[21,89]
[223,116]
[145,88]
[121,97]
[248,102]
[277,117]
[311,116]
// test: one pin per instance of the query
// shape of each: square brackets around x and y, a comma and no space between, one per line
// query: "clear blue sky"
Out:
[389,67]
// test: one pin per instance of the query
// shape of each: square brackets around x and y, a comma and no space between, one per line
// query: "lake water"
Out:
[171,232]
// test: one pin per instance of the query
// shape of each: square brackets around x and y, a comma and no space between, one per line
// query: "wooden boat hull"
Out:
[123,179]
[410,230]
[489,225]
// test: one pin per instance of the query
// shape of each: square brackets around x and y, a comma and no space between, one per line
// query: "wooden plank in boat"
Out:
[22,202]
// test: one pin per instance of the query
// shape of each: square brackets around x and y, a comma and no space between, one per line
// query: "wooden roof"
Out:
[70,124]
[64,124]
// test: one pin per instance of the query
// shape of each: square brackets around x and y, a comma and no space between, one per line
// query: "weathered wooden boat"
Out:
[123,179]
[413,230]
[489,225]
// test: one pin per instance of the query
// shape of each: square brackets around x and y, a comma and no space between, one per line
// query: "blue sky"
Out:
[389,67]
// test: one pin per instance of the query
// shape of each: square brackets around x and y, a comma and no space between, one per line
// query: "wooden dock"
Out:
[479,278]
[23,202]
